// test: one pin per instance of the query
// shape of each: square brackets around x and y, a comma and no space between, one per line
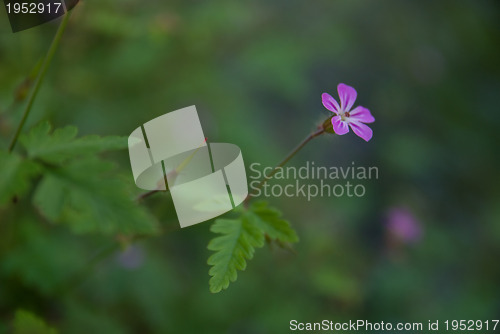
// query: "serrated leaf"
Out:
[237,244]
[270,222]
[15,176]
[27,323]
[85,195]
[239,239]
[62,144]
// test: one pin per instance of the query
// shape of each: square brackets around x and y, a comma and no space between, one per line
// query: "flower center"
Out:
[345,115]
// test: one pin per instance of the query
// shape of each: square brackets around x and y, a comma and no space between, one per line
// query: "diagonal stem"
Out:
[41,75]
[306,140]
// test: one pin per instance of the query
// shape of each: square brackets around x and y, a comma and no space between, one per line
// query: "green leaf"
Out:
[27,323]
[270,222]
[62,144]
[86,196]
[235,246]
[15,176]
[239,239]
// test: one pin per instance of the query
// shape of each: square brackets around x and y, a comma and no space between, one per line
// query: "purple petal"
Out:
[361,130]
[361,114]
[340,127]
[347,96]
[330,103]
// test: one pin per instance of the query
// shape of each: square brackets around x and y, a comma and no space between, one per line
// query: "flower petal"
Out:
[361,114]
[362,130]
[347,96]
[340,127]
[330,103]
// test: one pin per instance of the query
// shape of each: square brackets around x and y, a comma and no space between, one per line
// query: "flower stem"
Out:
[146,195]
[41,75]
[290,155]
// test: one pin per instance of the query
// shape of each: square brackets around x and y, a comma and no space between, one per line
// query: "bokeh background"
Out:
[422,244]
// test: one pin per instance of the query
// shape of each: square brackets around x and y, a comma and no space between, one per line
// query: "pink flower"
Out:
[402,224]
[346,117]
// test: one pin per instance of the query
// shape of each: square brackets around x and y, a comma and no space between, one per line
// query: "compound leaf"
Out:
[85,195]
[270,222]
[62,144]
[237,244]
[239,239]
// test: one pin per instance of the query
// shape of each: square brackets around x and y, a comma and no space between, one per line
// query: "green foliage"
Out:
[36,259]
[77,187]
[62,144]
[436,133]
[15,176]
[269,221]
[235,246]
[84,195]
[27,323]
[239,239]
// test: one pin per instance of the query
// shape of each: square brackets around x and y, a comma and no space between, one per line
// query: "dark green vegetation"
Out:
[80,253]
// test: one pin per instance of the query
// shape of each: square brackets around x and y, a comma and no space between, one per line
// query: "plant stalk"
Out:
[41,75]
[290,155]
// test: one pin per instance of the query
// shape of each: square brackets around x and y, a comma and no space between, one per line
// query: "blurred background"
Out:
[422,244]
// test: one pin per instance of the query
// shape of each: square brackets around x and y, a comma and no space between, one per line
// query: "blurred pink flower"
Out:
[346,117]
[403,225]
